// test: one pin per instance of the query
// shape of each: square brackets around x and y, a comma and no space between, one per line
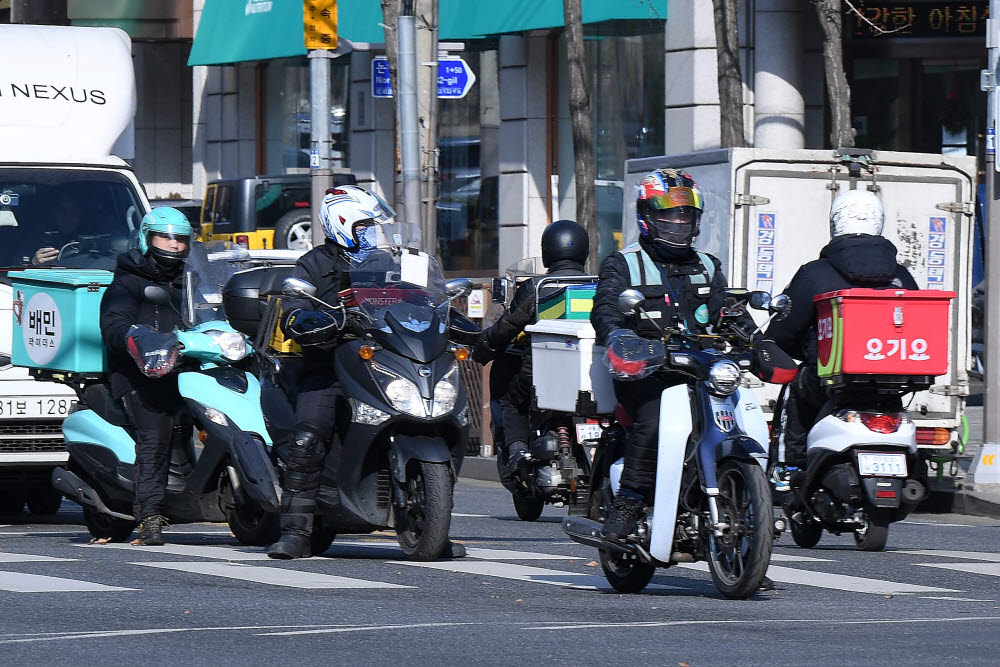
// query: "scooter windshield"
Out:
[206,270]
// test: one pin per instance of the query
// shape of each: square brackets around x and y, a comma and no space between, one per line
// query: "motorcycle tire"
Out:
[46,500]
[625,573]
[528,508]
[806,535]
[423,532]
[738,561]
[875,533]
[322,536]
[251,525]
[292,230]
[11,501]
[104,527]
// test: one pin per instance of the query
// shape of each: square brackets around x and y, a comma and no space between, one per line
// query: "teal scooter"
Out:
[220,466]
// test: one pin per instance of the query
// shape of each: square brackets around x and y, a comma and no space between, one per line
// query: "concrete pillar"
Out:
[814,81]
[372,123]
[691,89]
[522,189]
[779,107]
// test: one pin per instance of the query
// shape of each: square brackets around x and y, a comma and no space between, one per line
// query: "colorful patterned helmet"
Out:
[169,223]
[347,208]
[668,208]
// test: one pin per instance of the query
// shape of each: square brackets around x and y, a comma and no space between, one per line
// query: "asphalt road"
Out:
[525,595]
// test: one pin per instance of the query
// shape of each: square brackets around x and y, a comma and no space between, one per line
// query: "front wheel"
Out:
[739,558]
[528,508]
[104,527]
[424,515]
[873,535]
[626,573]
[323,535]
[806,535]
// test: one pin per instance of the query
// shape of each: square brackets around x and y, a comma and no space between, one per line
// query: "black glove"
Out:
[630,357]
[313,327]
[155,353]
[524,313]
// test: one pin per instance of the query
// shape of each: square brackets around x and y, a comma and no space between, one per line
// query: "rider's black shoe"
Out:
[622,516]
[766,584]
[516,456]
[453,550]
[151,531]
[291,545]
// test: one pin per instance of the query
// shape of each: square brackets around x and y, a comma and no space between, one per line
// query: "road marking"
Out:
[507,554]
[360,628]
[19,582]
[270,575]
[991,569]
[98,634]
[965,555]
[782,621]
[187,550]
[536,575]
[793,558]
[7,557]
[838,582]
[945,525]
[954,599]
[471,516]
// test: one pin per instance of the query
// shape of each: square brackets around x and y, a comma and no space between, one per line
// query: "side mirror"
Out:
[297,287]
[759,300]
[156,295]
[629,301]
[498,290]
[781,306]
[458,287]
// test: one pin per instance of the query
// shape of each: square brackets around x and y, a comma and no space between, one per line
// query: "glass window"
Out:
[876,105]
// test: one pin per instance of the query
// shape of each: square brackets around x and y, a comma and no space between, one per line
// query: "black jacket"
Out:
[851,260]
[123,305]
[502,333]
[614,279]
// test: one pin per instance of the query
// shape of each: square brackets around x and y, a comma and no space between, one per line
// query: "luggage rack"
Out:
[78,382]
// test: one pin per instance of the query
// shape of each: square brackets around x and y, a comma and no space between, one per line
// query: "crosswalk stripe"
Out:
[967,555]
[838,582]
[7,557]
[471,516]
[188,550]
[508,554]
[794,558]
[19,582]
[273,576]
[538,575]
[992,569]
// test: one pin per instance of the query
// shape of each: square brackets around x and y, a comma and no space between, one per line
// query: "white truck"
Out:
[767,213]
[67,95]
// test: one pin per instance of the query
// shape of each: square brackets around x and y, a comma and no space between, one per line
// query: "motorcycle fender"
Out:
[750,417]
[675,429]
[406,448]
[741,447]
[256,472]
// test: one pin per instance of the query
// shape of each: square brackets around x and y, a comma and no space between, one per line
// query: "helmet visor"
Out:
[168,239]
[675,227]
[675,198]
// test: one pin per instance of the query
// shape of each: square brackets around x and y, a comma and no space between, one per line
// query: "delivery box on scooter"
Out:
[57,319]
[883,332]
[571,302]
[567,368]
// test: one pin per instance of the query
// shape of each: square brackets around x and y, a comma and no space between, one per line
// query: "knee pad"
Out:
[306,450]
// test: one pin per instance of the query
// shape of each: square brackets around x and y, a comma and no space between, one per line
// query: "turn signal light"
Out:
[366,352]
[933,436]
[202,436]
[461,353]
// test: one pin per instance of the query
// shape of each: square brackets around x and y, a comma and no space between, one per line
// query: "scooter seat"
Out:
[98,398]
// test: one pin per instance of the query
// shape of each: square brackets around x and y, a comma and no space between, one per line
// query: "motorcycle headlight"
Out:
[724,377]
[445,393]
[233,345]
[401,393]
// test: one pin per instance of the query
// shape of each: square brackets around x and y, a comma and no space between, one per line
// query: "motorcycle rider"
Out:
[856,256]
[565,246]
[142,352]
[682,288]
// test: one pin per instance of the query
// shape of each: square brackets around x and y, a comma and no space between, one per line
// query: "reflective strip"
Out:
[652,276]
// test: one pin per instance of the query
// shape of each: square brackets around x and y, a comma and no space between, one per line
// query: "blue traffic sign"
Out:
[455,77]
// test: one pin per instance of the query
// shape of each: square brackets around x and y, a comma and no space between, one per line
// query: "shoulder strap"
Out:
[641,267]
[708,270]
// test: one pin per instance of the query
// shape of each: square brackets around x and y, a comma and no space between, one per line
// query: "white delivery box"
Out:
[567,368]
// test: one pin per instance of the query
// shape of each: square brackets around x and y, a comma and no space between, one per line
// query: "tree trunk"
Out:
[727,52]
[580,119]
[838,91]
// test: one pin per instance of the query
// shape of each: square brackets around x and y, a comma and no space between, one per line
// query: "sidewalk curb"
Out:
[482,468]
[961,501]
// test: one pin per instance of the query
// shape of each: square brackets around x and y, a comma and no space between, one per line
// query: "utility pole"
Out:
[986,467]
[409,126]
[320,38]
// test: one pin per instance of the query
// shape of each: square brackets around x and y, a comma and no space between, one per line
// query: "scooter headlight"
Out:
[724,377]
[401,393]
[362,413]
[445,393]
[232,344]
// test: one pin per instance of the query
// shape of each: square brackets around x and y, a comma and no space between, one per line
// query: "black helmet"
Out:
[564,240]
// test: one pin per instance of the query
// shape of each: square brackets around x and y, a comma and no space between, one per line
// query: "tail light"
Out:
[933,436]
[877,422]
[243,240]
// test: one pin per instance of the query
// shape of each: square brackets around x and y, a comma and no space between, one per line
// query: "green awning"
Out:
[237,30]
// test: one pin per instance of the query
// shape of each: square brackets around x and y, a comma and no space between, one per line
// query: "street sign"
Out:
[320,24]
[455,77]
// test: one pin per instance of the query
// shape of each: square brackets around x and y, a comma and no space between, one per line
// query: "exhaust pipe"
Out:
[588,532]
[76,489]
[913,492]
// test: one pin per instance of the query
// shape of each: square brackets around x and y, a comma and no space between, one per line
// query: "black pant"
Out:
[803,402]
[510,386]
[154,411]
[641,400]
[315,416]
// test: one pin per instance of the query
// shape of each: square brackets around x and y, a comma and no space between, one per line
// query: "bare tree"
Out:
[727,52]
[584,169]
[838,91]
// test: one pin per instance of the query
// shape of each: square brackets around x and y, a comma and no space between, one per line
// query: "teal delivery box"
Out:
[57,319]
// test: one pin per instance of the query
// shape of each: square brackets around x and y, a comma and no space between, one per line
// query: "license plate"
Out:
[585,432]
[882,465]
[35,407]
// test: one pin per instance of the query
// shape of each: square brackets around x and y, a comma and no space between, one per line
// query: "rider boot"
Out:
[303,466]
[623,515]
[297,516]
[151,531]
[517,453]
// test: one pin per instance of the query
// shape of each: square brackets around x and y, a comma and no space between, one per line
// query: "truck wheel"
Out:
[293,230]
[44,501]
[427,504]
[11,501]
[104,527]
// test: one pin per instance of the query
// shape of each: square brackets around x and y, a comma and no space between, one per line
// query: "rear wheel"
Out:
[45,500]
[104,527]
[425,515]
[807,534]
[11,501]
[528,508]
[739,558]
[873,535]
[625,572]
[293,230]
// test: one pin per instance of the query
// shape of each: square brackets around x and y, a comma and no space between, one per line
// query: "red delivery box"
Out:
[883,332]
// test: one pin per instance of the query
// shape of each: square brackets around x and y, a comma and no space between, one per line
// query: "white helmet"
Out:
[345,208]
[856,212]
